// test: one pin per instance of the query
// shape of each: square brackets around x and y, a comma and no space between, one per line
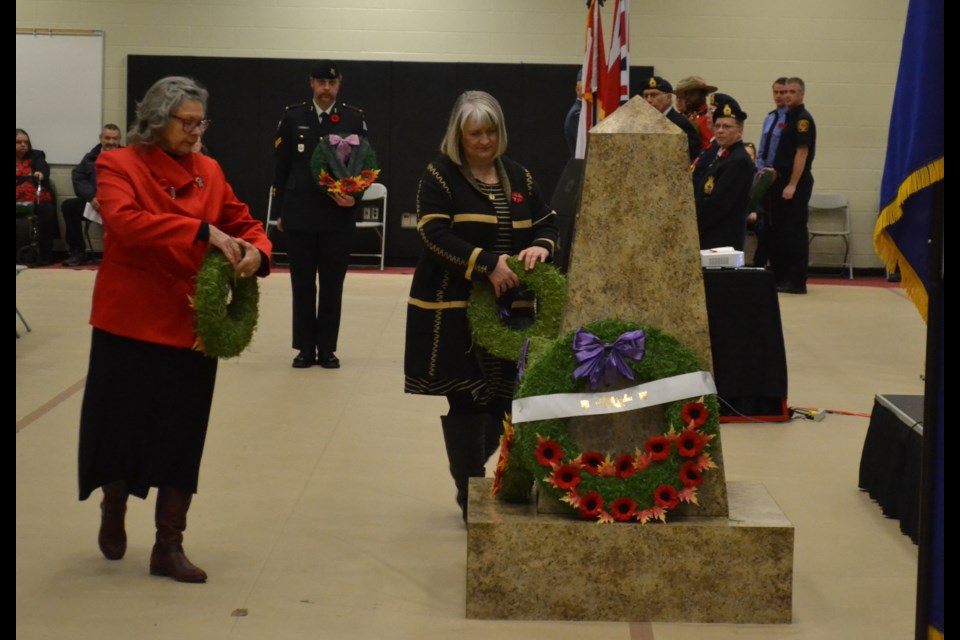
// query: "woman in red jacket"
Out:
[149,389]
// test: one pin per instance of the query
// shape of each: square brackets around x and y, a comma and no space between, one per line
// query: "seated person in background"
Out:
[722,189]
[33,172]
[85,187]
[659,94]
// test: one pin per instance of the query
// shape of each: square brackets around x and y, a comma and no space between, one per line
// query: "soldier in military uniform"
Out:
[692,94]
[722,188]
[790,193]
[319,227]
[659,94]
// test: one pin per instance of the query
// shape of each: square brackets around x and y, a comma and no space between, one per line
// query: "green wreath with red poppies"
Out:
[642,485]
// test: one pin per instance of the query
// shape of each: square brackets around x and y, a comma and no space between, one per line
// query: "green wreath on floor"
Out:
[643,485]
[226,308]
[483,311]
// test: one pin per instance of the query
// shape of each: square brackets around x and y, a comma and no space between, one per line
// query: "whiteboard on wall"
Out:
[60,91]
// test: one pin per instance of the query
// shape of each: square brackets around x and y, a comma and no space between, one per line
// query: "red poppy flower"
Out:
[623,509]
[591,461]
[368,176]
[349,185]
[690,443]
[694,414]
[624,465]
[591,504]
[666,496]
[690,475]
[566,476]
[549,453]
[517,197]
[658,447]
[334,117]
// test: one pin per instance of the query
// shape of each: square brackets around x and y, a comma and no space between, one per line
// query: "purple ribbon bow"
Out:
[343,145]
[598,359]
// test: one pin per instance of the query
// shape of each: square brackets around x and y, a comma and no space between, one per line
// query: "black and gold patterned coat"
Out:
[457,225]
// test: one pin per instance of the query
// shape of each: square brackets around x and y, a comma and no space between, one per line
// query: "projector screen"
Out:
[60,91]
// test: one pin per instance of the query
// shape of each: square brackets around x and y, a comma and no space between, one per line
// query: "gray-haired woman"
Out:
[149,386]
[474,208]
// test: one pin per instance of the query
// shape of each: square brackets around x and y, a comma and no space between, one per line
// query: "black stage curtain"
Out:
[406,104]
[892,454]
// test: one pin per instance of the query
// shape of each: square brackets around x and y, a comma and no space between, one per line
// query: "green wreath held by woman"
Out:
[485,312]
[641,485]
[350,178]
[226,306]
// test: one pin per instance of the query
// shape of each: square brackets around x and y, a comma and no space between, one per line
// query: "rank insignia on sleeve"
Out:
[276,143]
[708,186]
[803,126]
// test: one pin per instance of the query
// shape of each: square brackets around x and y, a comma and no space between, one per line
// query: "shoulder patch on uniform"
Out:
[803,126]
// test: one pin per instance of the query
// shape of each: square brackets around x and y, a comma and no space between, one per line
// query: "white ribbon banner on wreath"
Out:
[649,394]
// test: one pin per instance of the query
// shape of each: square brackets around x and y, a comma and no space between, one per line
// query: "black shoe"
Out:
[304,360]
[789,288]
[75,260]
[328,360]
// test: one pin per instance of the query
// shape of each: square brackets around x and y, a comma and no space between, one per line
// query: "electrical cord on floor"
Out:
[819,413]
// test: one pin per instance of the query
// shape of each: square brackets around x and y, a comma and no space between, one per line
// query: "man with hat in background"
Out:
[318,226]
[790,192]
[692,94]
[722,188]
[659,94]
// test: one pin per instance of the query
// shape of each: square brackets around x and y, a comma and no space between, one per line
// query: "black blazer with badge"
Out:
[304,205]
[722,193]
[692,131]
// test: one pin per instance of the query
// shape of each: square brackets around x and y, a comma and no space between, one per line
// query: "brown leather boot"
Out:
[168,558]
[113,537]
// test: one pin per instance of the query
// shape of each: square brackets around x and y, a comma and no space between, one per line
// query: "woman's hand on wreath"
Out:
[249,264]
[343,201]
[226,244]
[531,256]
[502,277]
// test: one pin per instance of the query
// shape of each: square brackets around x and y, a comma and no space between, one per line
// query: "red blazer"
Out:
[152,206]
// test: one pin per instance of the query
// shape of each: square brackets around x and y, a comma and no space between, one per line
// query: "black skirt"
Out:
[144,416]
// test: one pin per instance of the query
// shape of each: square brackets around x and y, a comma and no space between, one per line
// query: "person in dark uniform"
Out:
[790,193]
[659,94]
[319,226]
[722,190]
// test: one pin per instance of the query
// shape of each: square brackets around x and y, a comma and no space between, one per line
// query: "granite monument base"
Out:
[525,565]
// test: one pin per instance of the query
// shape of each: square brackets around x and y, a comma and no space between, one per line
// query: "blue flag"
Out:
[914,152]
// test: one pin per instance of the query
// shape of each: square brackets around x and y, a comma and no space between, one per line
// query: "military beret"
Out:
[658,83]
[726,107]
[325,70]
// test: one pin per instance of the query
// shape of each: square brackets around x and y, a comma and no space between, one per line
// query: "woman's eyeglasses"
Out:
[193,126]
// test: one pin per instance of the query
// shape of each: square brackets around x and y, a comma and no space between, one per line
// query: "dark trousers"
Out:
[318,256]
[72,210]
[47,231]
[790,248]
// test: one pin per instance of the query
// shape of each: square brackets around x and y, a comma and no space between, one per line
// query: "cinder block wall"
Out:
[847,52]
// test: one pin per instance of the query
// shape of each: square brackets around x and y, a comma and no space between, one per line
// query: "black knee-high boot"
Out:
[465,437]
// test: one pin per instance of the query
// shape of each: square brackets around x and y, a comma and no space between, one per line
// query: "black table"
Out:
[746,335]
[892,456]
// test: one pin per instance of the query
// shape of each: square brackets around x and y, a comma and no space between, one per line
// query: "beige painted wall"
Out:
[847,51]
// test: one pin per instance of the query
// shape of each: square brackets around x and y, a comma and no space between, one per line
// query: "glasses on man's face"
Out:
[193,126]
